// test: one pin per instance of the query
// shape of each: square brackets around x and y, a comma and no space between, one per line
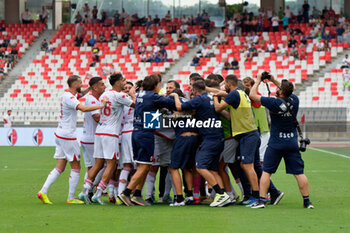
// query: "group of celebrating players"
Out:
[217,126]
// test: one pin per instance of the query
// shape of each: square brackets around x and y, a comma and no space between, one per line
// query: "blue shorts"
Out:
[292,159]
[208,154]
[184,152]
[249,144]
[143,146]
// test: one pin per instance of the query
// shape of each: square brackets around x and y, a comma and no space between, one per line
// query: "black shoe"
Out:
[258,205]
[308,205]
[150,201]
[90,195]
[275,199]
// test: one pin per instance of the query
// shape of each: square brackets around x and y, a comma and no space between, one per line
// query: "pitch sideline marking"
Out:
[330,152]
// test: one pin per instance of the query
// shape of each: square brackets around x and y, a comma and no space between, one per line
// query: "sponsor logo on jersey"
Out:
[12,137]
[38,137]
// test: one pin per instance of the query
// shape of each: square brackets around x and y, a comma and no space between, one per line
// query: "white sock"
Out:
[51,178]
[100,188]
[87,186]
[116,188]
[73,183]
[168,184]
[86,174]
[123,179]
[230,194]
[150,179]
[98,177]
[110,187]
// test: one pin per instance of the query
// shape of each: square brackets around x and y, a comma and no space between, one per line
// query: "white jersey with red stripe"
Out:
[68,116]
[89,123]
[111,115]
[128,119]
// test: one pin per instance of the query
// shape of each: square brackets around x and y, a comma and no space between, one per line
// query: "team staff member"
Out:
[208,154]
[284,139]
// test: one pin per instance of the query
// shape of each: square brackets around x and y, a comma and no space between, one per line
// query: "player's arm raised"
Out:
[84,91]
[85,108]
[216,91]
[219,106]
[132,94]
[177,101]
[253,95]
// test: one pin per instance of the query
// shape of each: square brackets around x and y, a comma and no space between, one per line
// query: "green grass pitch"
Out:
[23,170]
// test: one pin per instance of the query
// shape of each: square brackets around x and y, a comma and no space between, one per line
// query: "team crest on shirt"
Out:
[151,120]
[38,137]
[12,137]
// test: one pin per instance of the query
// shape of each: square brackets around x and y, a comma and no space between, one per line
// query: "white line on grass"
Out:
[330,152]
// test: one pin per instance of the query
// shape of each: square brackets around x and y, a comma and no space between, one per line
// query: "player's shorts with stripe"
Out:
[162,150]
[229,152]
[88,153]
[184,151]
[67,149]
[106,147]
[143,146]
[208,154]
[291,155]
[249,144]
[126,153]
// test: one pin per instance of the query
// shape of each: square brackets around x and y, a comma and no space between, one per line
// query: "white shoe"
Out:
[178,203]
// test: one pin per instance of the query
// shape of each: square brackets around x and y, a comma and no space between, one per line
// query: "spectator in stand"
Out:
[94,14]
[26,17]
[260,24]
[195,60]
[149,33]
[282,51]
[301,52]
[340,32]
[270,47]
[346,77]
[156,20]
[345,62]
[320,45]
[123,15]
[164,41]
[44,15]
[347,34]
[306,8]
[292,42]
[184,28]
[231,27]
[2,53]
[155,48]
[14,55]
[285,21]
[142,48]
[114,37]
[86,19]
[300,17]
[95,55]
[303,40]
[266,24]
[130,46]
[78,18]
[125,37]
[234,64]
[44,45]
[161,32]
[2,71]
[102,37]
[116,18]
[163,53]
[341,19]
[315,12]
[227,65]
[254,24]
[13,42]
[168,17]
[86,10]
[280,13]
[202,38]
[184,20]
[5,42]
[217,40]
[181,37]
[288,12]
[79,29]
[103,17]
[92,41]
[206,51]
[198,19]
[143,57]
[78,40]
[151,57]
[50,48]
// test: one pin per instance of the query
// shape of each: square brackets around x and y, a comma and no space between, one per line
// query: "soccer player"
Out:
[283,142]
[126,153]
[245,131]
[106,147]
[67,146]
[260,120]
[208,154]
[91,120]
[182,156]
[148,100]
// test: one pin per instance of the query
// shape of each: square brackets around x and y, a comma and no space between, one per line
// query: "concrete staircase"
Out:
[187,57]
[24,61]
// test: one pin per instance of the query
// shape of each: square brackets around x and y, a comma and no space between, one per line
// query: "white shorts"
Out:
[229,152]
[162,151]
[126,152]
[67,149]
[106,147]
[88,154]
[264,141]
